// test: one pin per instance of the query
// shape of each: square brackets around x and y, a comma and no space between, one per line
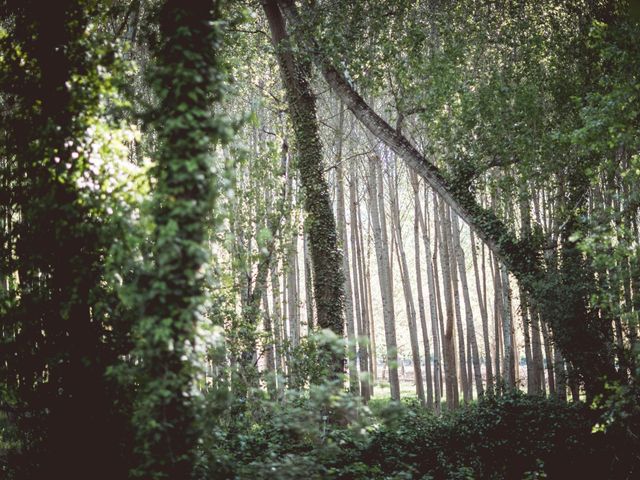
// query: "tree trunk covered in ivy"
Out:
[56,342]
[320,222]
[186,77]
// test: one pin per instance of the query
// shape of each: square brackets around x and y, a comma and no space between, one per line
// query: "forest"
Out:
[319,239]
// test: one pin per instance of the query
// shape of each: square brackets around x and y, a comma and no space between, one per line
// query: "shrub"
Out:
[510,437]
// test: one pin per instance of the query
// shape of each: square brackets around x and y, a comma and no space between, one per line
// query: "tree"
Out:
[376,205]
[419,223]
[320,223]
[396,228]
[186,76]
[471,333]
[350,298]
[62,325]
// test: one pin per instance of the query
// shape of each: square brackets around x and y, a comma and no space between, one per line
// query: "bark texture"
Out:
[326,259]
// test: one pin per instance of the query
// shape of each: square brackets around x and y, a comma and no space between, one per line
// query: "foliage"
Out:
[610,116]
[512,99]
[187,78]
[133,262]
[68,195]
[513,436]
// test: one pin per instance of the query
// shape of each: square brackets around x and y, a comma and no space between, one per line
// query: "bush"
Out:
[510,437]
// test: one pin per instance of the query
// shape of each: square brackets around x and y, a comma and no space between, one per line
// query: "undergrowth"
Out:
[327,435]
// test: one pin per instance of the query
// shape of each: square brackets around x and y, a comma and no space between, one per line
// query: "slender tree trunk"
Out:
[483,312]
[286,332]
[536,353]
[354,385]
[359,291]
[382,256]
[293,311]
[276,301]
[497,314]
[465,382]
[634,326]
[418,221]
[269,347]
[557,375]
[532,388]
[471,331]
[572,381]
[555,365]
[507,337]
[408,294]
[369,299]
[438,296]
[485,301]
[449,346]
[308,282]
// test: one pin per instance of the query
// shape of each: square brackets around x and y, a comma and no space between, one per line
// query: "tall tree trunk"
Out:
[507,335]
[321,226]
[497,315]
[448,337]
[293,310]
[433,308]
[269,347]
[308,283]
[438,295]
[536,353]
[532,388]
[382,257]
[57,346]
[408,294]
[553,361]
[354,385]
[465,382]
[471,331]
[276,301]
[359,289]
[418,221]
[557,376]
[168,422]
[483,311]
[365,256]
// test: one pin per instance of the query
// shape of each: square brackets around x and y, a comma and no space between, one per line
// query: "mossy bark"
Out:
[186,77]
[320,224]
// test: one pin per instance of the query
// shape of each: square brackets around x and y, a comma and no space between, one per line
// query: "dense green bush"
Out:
[510,437]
